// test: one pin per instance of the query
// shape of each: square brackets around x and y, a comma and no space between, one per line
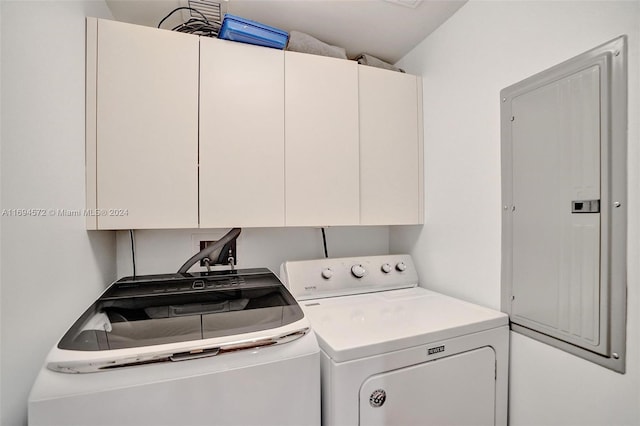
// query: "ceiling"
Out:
[387,29]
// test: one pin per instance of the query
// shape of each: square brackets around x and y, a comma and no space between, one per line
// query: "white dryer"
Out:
[394,353]
[218,348]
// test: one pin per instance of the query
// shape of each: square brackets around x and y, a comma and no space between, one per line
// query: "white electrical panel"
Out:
[564,207]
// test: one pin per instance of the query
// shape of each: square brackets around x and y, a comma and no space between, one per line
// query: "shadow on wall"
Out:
[163,251]
[404,239]
[103,247]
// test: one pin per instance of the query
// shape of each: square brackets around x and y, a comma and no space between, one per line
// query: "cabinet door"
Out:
[241,135]
[391,153]
[146,118]
[321,141]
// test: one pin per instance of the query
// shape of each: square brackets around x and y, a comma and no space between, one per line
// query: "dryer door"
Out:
[456,390]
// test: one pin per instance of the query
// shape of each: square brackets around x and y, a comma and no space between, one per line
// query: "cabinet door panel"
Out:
[241,135]
[321,141]
[390,148]
[146,127]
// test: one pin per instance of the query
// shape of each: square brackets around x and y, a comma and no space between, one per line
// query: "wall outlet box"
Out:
[200,240]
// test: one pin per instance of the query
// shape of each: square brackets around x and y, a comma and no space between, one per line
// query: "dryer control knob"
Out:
[327,273]
[358,271]
[386,268]
[401,266]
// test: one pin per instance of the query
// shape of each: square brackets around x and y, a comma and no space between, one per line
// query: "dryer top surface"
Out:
[357,326]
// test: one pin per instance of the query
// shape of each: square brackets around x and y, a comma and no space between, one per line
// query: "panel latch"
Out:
[585,206]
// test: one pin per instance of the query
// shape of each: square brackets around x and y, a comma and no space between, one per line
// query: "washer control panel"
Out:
[312,279]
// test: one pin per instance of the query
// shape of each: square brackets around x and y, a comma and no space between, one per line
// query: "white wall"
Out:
[51,267]
[166,250]
[484,47]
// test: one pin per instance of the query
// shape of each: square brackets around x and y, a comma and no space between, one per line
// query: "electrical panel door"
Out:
[564,199]
[556,232]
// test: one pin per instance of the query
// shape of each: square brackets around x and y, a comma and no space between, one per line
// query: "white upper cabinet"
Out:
[186,132]
[142,126]
[391,149]
[241,135]
[321,141]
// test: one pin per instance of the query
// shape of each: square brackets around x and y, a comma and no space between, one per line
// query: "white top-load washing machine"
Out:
[219,348]
[394,353]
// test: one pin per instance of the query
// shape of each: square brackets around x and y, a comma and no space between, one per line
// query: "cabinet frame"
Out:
[90,120]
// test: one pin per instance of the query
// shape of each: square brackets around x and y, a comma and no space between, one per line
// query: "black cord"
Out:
[324,242]
[133,252]
[183,8]
[196,26]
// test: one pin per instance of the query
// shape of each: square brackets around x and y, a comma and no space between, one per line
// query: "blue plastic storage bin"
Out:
[244,30]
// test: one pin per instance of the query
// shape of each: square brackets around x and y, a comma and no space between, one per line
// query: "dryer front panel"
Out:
[456,390]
